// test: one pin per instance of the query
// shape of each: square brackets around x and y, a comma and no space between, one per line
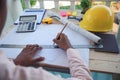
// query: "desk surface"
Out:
[102,61]
[99,61]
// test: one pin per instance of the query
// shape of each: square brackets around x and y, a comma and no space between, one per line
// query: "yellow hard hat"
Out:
[98,18]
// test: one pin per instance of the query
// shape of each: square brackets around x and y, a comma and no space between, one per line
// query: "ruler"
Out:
[50,46]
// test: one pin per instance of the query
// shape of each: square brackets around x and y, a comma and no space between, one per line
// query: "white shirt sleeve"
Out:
[77,66]
[9,71]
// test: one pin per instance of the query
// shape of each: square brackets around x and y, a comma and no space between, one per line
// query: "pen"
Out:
[60,34]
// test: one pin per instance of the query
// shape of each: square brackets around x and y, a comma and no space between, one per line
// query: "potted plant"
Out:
[85,4]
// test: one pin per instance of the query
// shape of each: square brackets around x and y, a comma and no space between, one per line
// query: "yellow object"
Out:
[99,18]
[74,13]
[69,14]
[47,21]
[98,3]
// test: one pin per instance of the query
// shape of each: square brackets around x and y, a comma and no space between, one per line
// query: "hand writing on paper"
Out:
[62,42]
[25,58]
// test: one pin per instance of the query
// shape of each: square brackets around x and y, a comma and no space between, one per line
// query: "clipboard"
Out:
[109,43]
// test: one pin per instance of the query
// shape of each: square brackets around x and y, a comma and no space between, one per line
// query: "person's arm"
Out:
[10,71]
[77,67]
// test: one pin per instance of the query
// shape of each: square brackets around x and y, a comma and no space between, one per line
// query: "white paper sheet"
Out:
[44,36]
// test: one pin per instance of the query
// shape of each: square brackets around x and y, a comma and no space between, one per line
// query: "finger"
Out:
[38,59]
[58,35]
[63,35]
[56,41]
[36,45]
[40,47]
[27,46]
[35,50]
[31,47]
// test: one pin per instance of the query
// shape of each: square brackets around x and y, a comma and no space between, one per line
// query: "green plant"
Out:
[32,3]
[85,4]
[68,7]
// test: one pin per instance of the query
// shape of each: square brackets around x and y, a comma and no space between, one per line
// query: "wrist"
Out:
[16,62]
[68,47]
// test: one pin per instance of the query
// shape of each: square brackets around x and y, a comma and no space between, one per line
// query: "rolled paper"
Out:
[77,28]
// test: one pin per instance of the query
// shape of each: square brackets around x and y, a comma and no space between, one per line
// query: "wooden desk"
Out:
[99,61]
[104,62]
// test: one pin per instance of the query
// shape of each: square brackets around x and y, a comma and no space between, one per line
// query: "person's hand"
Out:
[25,58]
[62,42]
